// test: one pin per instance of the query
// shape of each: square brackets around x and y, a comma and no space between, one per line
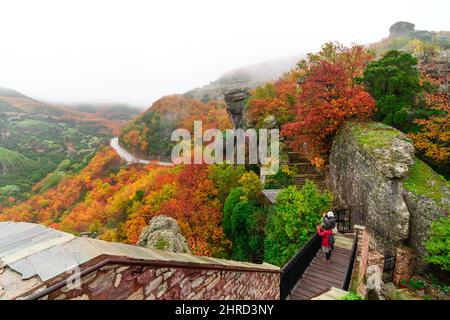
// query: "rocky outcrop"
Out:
[235,100]
[163,233]
[427,196]
[373,172]
[401,28]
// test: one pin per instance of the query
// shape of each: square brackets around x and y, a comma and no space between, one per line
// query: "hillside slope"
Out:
[148,136]
[35,138]
[13,163]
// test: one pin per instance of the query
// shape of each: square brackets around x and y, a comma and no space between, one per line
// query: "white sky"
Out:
[137,51]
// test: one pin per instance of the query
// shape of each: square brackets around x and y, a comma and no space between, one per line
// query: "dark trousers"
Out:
[328,255]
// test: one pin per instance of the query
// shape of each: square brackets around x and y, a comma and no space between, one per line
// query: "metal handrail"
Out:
[293,270]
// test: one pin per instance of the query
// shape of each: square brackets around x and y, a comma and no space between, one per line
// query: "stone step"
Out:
[343,242]
[303,168]
[308,176]
[303,180]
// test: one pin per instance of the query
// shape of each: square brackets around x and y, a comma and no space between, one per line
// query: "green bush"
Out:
[438,246]
[417,284]
[225,177]
[393,81]
[242,223]
[244,218]
[232,200]
[294,221]
[352,296]
[282,179]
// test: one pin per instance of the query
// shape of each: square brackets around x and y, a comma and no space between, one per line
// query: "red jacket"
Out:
[325,234]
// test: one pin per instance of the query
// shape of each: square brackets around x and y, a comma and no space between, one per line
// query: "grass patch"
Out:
[374,135]
[422,180]
[12,162]
[35,125]
[352,296]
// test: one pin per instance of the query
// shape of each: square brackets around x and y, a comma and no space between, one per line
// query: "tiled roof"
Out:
[35,250]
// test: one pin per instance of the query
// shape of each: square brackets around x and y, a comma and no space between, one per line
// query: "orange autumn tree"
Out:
[433,139]
[197,209]
[117,202]
[273,99]
[49,207]
[329,96]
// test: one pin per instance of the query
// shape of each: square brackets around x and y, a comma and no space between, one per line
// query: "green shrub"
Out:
[232,200]
[352,296]
[438,246]
[225,177]
[244,218]
[393,81]
[417,284]
[294,221]
[282,179]
[241,230]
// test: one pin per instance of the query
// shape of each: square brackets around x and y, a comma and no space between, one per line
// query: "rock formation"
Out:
[163,233]
[373,172]
[401,28]
[235,100]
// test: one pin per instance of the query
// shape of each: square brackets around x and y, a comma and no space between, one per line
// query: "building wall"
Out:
[118,282]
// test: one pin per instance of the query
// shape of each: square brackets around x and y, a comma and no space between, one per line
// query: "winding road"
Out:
[129,158]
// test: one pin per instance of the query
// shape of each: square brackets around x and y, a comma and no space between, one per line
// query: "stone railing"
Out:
[37,262]
[118,278]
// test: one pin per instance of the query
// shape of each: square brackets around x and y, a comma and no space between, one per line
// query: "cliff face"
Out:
[374,172]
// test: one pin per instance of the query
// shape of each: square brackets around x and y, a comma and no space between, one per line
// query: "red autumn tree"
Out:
[329,96]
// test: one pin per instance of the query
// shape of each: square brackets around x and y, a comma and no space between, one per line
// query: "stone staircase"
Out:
[304,171]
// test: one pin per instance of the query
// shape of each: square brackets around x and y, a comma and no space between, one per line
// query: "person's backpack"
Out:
[331,240]
[329,223]
[332,222]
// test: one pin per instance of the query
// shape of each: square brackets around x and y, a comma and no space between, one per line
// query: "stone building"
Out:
[37,262]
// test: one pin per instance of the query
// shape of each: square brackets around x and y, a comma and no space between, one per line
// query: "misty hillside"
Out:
[6,92]
[401,37]
[39,140]
[109,111]
[244,77]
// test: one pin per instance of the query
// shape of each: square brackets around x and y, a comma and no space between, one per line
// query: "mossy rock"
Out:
[376,135]
[424,181]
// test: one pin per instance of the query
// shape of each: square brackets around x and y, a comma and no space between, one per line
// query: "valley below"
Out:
[129,158]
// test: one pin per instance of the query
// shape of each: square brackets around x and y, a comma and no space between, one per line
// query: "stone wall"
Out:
[373,172]
[126,282]
[368,269]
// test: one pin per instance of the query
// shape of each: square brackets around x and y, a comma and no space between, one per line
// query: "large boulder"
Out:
[367,164]
[163,233]
[373,172]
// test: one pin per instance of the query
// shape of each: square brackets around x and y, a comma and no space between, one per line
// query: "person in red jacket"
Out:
[325,234]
